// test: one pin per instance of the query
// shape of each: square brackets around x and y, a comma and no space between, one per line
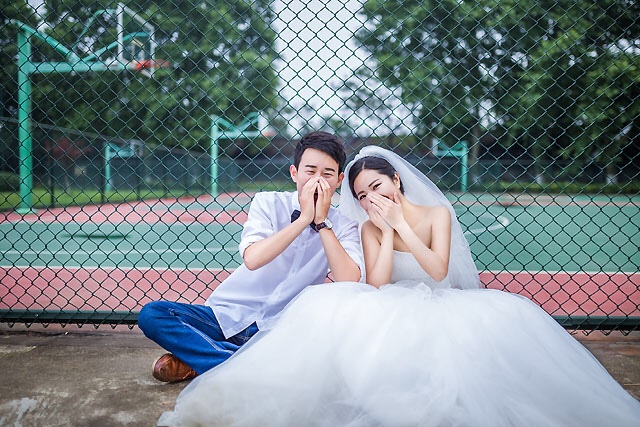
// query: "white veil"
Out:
[419,190]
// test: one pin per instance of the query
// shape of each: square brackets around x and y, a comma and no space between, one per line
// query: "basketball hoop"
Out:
[147,66]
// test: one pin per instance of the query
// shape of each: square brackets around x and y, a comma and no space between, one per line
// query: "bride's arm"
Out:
[434,260]
[377,247]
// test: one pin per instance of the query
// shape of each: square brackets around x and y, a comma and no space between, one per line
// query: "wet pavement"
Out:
[102,377]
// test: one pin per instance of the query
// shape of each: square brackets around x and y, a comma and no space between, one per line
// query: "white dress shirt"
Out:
[255,296]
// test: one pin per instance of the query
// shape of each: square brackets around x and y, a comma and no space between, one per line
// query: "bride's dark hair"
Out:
[377,164]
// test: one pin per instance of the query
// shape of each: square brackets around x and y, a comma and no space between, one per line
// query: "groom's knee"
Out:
[149,316]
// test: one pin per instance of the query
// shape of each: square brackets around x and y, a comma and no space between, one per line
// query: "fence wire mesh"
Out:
[133,136]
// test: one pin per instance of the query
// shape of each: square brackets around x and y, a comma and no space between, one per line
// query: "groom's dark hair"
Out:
[377,164]
[323,141]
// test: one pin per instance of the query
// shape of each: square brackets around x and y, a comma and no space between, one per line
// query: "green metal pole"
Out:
[107,167]
[24,123]
[215,137]
[464,166]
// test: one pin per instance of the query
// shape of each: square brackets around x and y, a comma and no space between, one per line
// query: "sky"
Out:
[316,42]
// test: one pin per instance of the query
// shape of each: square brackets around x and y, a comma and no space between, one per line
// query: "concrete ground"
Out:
[101,377]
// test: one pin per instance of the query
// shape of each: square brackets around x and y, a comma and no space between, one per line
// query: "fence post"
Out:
[464,165]
[24,122]
[215,138]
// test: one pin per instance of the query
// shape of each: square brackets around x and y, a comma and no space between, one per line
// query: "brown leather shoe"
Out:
[169,369]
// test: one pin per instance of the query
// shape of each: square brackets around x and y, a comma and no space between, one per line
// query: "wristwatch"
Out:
[324,224]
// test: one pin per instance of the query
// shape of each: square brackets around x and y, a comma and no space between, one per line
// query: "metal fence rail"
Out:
[133,135]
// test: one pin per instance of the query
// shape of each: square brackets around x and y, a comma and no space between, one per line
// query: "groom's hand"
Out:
[307,200]
[323,200]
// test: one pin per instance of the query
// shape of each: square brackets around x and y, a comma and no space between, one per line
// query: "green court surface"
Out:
[142,245]
[529,234]
[554,237]
[573,257]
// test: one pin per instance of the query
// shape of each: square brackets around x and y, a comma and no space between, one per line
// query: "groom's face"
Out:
[314,164]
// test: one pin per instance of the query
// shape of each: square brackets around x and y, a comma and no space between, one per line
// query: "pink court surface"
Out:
[74,288]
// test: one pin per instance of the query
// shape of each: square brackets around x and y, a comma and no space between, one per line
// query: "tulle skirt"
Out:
[348,354]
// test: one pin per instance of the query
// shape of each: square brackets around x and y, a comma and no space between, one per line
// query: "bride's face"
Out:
[372,181]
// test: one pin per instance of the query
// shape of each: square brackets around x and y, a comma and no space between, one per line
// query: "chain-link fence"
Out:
[132,137]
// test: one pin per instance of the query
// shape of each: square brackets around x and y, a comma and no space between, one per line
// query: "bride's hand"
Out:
[378,220]
[389,210]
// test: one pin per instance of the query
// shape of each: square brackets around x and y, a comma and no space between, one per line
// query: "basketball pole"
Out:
[27,67]
[459,150]
[221,128]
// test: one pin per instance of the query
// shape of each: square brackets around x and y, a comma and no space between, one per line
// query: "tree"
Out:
[559,78]
[223,55]
[221,62]
[567,81]
[436,51]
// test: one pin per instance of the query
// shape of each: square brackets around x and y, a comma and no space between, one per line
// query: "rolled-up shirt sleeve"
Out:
[259,224]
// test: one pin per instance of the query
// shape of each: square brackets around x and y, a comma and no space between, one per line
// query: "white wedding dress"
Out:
[412,353]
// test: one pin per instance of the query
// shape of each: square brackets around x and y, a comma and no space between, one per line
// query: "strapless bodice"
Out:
[406,268]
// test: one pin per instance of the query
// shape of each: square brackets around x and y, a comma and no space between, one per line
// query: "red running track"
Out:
[69,288]
[190,210]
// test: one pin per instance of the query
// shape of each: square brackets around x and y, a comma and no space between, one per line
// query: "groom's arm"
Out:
[334,241]
[261,241]
[343,268]
[263,247]
[344,252]
[264,251]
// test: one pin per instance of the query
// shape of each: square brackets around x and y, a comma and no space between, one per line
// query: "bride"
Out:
[407,348]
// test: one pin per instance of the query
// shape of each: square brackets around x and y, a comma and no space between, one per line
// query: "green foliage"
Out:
[220,57]
[9,181]
[43,198]
[434,50]
[560,79]
[568,89]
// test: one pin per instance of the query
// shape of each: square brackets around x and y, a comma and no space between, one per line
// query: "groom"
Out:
[289,242]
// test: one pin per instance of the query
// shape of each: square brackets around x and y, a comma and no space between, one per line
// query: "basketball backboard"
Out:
[136,41]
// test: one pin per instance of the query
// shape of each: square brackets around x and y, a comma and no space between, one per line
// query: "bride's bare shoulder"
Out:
[439,210]
[429,215]
[433,210]
[370,232]
[369,227]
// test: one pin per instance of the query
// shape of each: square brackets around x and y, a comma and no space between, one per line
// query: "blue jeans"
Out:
[191,333]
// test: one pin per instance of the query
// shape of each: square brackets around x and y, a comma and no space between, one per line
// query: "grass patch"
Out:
[42,198]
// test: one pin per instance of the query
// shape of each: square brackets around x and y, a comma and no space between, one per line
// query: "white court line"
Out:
[502,222]
[98,252]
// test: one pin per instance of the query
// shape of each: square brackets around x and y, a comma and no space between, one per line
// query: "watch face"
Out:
[325,224]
